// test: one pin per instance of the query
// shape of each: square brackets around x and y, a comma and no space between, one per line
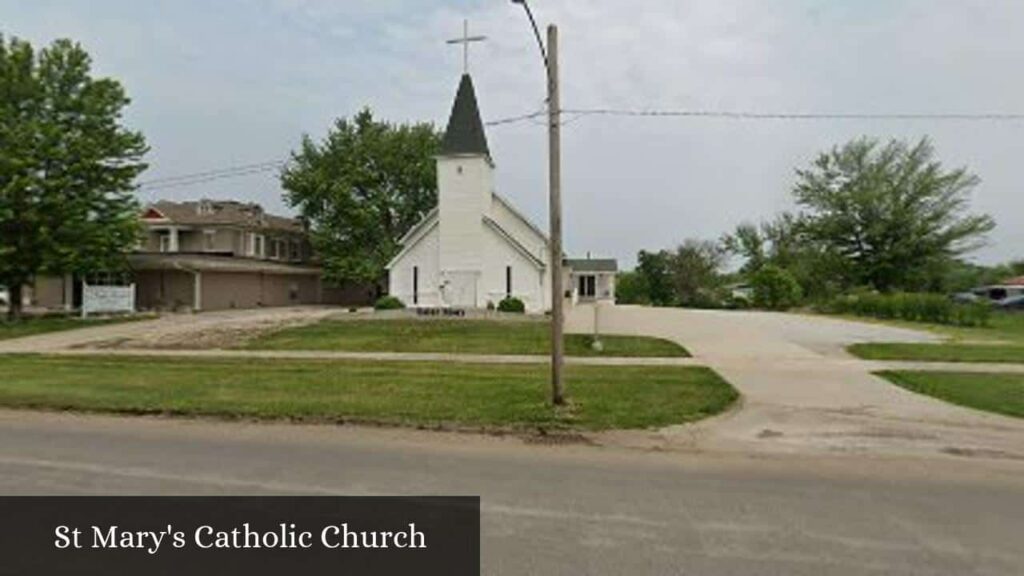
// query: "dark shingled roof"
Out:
[223,213]
[593,265]
[465,134]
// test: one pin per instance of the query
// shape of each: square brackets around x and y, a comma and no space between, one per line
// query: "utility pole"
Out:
[550,56]
[555,183]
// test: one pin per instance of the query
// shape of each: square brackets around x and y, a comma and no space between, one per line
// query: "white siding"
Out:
[530,239]
[425,256]
[526,277]
[464,190]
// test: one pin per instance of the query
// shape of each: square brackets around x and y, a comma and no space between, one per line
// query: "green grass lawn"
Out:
[398,393]
[33,326]
[952,352]
[454,337]
[999,393]
[1002,341]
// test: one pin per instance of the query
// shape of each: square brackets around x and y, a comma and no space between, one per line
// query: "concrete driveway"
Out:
[802,391]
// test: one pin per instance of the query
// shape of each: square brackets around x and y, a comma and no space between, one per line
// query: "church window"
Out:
[415,284]
[508,281]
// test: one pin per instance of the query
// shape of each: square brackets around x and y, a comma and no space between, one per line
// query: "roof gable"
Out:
[153,214]
[519,215]
[515,244]
[415,236]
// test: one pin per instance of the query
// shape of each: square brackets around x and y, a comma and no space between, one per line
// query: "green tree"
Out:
[1017,267]
[891,214]
[656,275]
[775,288]
[781,242]
[696,267]
[361,189]
[67,167]
[631,288]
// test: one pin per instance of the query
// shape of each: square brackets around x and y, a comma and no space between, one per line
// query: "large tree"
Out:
[696,267]
[892,214]
[361,189]
[67,167]
[655,276]
[689,276]
[782,243]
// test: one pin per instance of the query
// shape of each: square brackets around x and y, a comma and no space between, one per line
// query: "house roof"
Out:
[593,264]
[465,133]
[1018,281]
[219,213]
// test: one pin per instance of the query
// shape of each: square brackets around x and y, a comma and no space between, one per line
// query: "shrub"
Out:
[512,304]
[775,289]
[389,303]
[931,308]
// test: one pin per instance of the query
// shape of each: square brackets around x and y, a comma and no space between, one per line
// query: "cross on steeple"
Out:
[466,40]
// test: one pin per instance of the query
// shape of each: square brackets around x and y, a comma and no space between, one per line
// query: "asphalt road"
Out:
[568,509]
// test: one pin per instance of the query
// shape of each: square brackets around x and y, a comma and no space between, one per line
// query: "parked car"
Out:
[996,294]
[1013,303]
[5,297]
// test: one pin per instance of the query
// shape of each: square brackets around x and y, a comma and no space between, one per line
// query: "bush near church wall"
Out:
[909,307]
[389,303]
[512,305]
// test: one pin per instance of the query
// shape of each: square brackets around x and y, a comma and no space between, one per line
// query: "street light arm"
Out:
[536,30]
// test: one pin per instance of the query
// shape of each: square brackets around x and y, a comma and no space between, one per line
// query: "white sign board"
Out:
[107,299]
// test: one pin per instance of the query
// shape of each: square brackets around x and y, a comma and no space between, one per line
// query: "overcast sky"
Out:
[231,82]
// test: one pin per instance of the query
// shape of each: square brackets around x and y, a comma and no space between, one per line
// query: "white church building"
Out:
[475,249]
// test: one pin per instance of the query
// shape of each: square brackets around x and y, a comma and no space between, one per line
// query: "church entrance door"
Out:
[461,289]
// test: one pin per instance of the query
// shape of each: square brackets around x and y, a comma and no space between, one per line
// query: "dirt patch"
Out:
[218,331]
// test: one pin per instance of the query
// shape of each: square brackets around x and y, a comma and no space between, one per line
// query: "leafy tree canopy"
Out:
[892,215]
[361,189]
[780,242]
[656,277]
[690,276]
[67,166]
[696,267]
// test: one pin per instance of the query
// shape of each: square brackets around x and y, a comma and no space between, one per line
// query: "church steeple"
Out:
[465,133]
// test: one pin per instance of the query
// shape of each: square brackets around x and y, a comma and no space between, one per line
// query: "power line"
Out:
[743,115]
[192,180]
[515,119]
[241,170]
[198,178]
